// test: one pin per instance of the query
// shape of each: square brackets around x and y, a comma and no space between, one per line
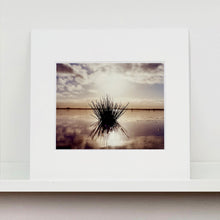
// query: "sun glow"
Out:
[112,84]
[115,139]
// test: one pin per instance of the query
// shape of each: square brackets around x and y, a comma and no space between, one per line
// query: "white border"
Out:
[169,45]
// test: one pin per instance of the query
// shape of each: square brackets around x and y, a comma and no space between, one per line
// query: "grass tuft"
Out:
[107,112]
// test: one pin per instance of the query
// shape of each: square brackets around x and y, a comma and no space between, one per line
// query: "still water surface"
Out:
[144,129]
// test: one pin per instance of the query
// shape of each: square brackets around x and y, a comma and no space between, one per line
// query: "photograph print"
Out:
[106,106]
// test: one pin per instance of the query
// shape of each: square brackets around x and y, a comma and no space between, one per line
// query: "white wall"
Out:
[200,16]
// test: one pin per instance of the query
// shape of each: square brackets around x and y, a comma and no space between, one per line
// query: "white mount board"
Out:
[49,47]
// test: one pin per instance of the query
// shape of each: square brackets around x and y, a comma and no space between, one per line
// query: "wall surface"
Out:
[19,17]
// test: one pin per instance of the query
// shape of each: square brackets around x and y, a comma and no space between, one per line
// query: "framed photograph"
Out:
[110,104]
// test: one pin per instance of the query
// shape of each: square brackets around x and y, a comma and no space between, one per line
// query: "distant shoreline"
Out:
[154,109]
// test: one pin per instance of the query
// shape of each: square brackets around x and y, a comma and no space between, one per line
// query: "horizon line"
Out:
[69,108]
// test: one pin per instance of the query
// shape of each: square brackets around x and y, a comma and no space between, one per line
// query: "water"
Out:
[143,129]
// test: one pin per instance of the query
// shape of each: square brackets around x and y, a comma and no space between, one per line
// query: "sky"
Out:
[139,84]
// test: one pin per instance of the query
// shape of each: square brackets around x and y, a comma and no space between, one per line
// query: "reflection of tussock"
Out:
[107,112]
[145,128]
[99,130]
[76,138]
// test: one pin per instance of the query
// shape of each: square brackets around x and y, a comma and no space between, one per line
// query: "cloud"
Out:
[64,68]
[80,80]
[68,85]
[142,73]
[152,67]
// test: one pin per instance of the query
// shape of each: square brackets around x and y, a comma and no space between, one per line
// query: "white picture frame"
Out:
[115,45]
